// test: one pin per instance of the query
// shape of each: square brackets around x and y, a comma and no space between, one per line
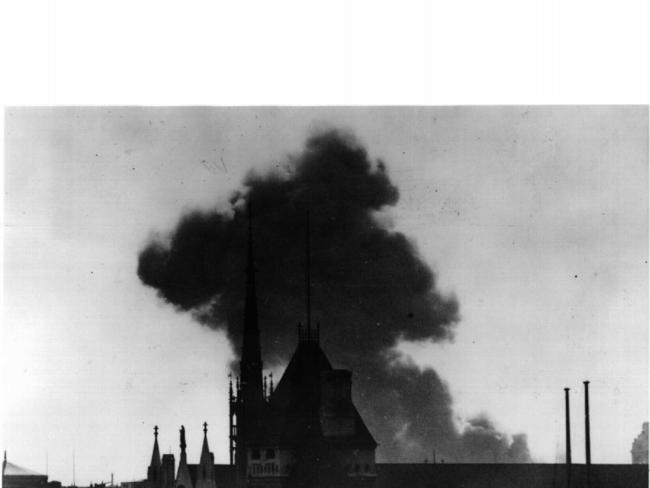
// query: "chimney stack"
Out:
[568,437]
[568,426]
[587,433]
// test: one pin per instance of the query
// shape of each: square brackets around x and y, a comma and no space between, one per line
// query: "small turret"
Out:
[155,455]
[205,478]
[153,471]
[183,477]
[183,444]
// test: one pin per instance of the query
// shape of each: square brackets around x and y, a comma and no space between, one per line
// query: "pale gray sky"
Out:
[535,217]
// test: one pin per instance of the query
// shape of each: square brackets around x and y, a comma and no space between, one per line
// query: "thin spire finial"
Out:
[308,276]
[250,265]
[155,431]
[250,222]
[205,428]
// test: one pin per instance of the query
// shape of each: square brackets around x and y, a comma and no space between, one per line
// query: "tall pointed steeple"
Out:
[205,450]
[308,334]
[250,398]
[205,478]
[155,455]
[308,276]
[251,358]
[153,471]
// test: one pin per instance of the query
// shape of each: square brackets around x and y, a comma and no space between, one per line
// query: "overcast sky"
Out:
[536,218]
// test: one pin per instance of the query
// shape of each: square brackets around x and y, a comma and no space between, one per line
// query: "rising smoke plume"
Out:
[369,287]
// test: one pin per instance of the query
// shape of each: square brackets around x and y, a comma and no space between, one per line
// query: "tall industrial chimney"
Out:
[568,437]
[568,426]
[587,434]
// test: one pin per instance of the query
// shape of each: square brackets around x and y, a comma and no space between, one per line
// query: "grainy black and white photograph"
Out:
[404,296]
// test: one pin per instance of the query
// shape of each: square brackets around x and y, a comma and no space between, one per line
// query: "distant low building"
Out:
[640,446]
[14,476]
[134,484]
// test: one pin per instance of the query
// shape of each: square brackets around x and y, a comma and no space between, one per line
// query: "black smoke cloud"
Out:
[369,289]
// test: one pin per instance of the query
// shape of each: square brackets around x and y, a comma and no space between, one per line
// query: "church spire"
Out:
[251,346]
[251,357]
[205,450]
[308,335]
[308,276]
[155,455]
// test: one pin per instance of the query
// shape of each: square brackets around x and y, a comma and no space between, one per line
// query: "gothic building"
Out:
[306,432]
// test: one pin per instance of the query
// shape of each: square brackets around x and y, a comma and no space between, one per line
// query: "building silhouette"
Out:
[304,432]
[307,433]
[14,476]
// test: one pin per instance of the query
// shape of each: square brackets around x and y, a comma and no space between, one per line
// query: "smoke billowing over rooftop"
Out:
[369,288]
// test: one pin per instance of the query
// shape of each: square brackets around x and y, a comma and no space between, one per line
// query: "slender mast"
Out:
[308,278]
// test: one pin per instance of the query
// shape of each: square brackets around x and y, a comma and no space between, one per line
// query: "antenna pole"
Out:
[308,278]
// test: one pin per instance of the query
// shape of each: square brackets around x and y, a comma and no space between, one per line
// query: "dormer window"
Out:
[255,454]
[270,454]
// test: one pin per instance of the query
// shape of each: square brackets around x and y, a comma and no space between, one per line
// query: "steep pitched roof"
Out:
[205,450]
[292,415]
[10,469]
[298,386]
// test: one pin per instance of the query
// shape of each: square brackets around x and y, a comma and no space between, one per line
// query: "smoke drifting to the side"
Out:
[369,288]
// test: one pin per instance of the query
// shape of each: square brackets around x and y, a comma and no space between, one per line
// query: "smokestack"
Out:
[587,434]
[568,436]
[568,426]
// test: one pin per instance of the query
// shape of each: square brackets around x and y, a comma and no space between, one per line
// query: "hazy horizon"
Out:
[534,218]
